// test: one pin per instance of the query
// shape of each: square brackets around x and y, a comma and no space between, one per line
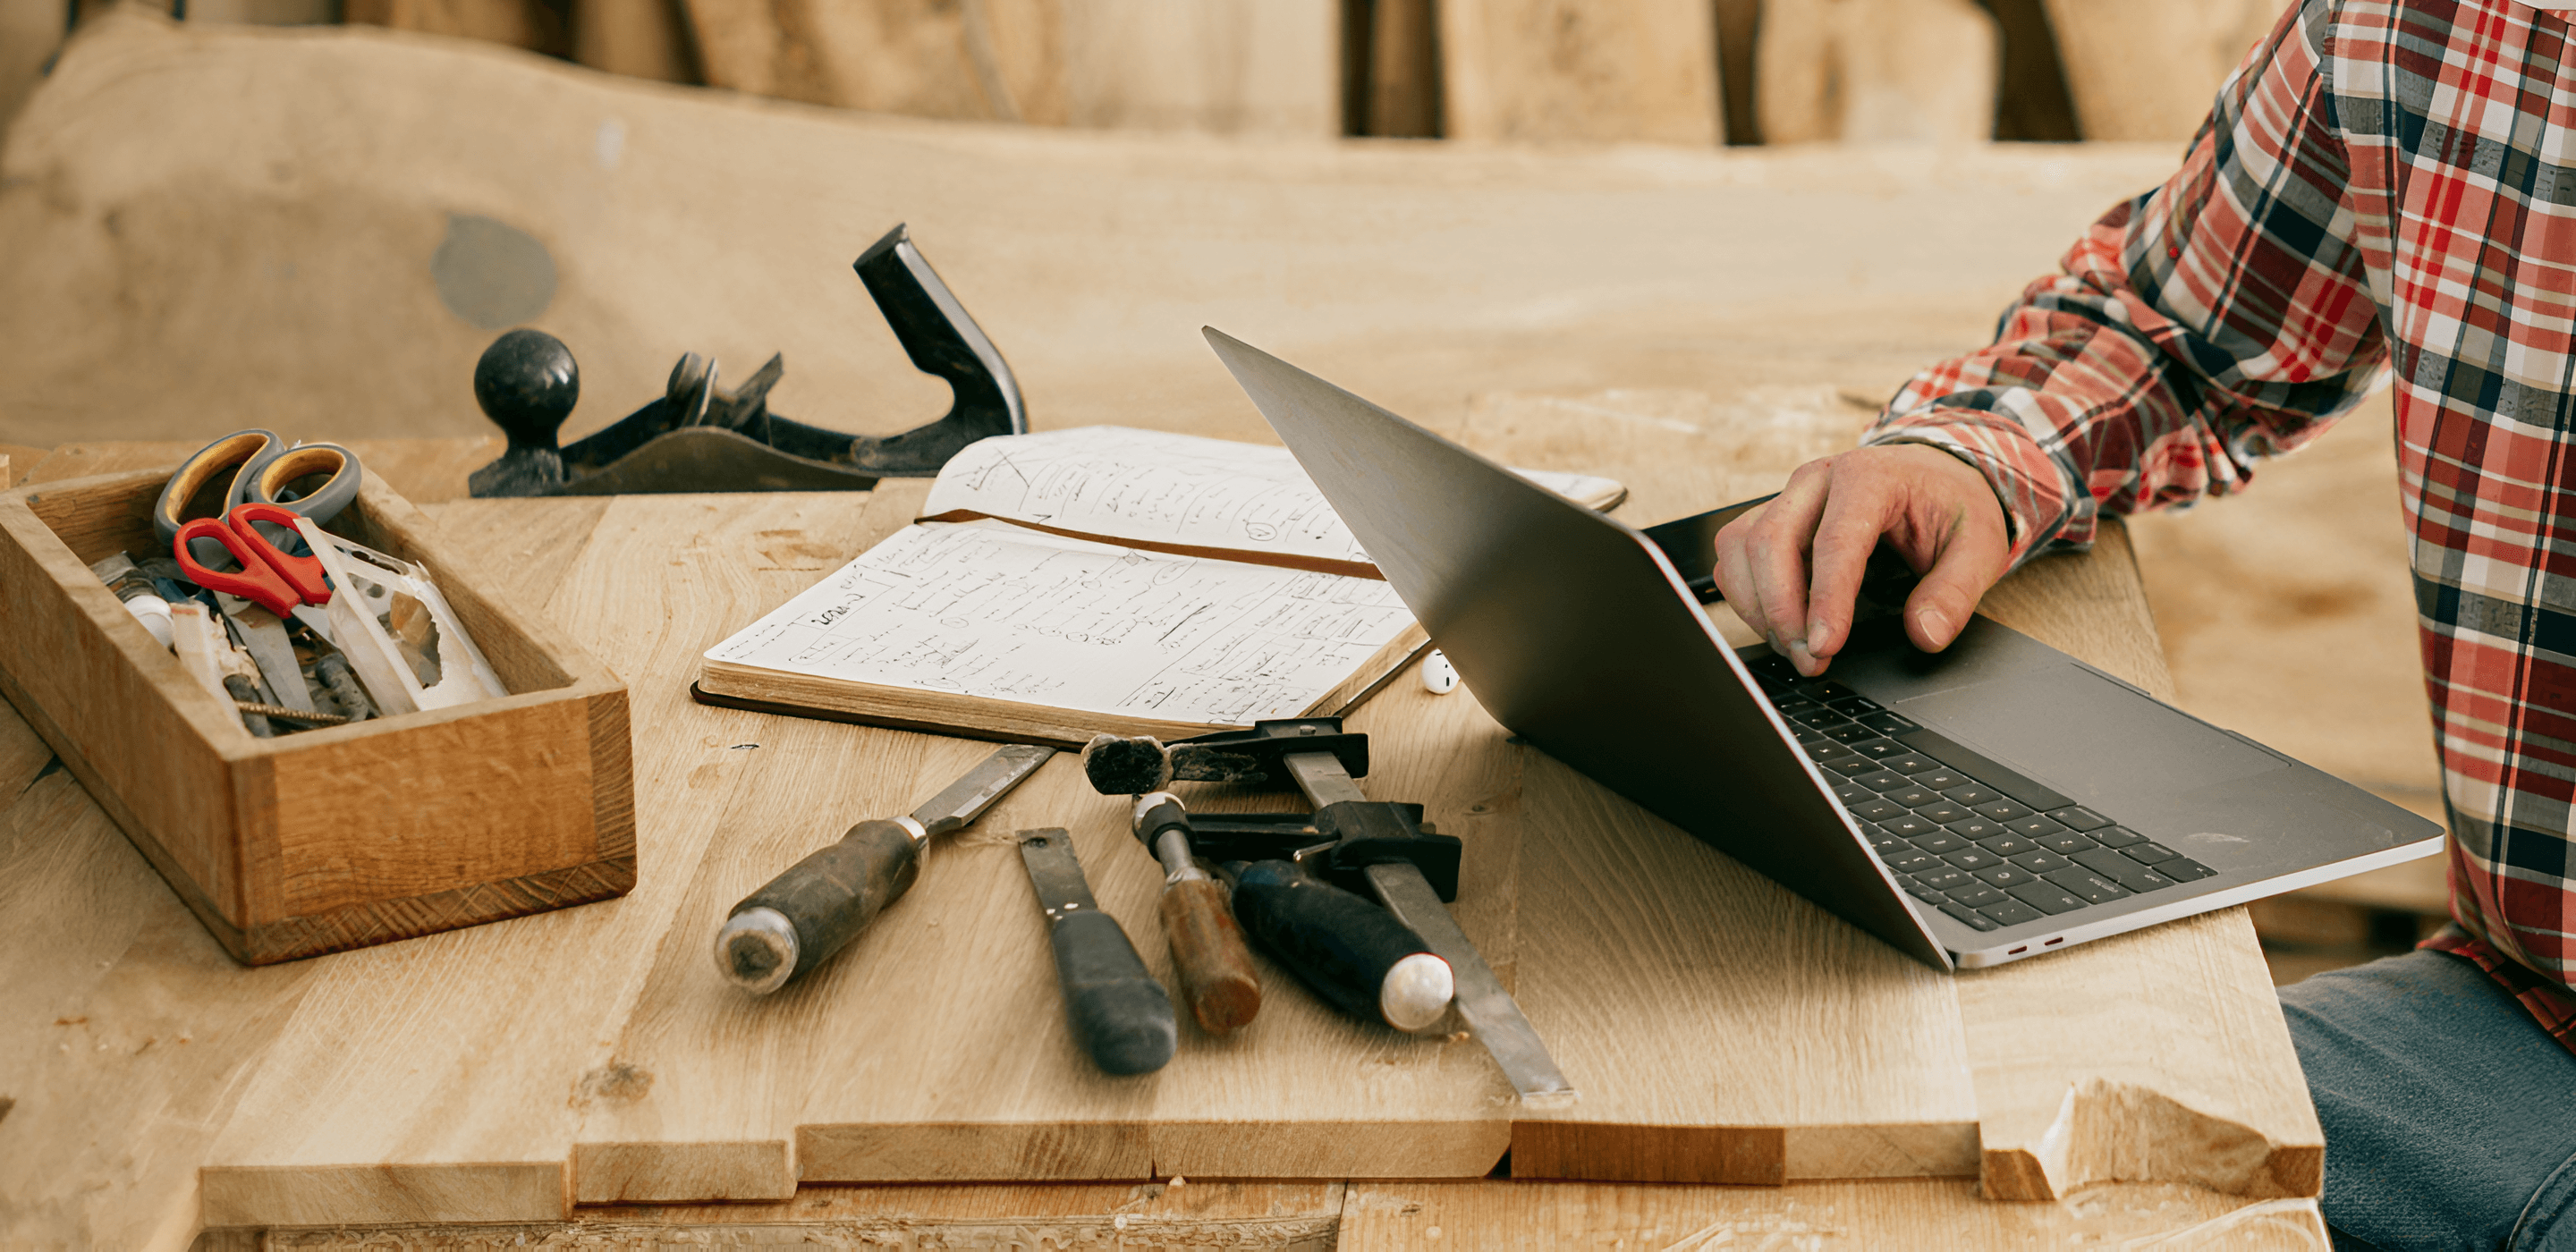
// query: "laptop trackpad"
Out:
[2089,736]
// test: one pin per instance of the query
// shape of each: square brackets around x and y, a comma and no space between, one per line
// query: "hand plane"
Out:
[701,436]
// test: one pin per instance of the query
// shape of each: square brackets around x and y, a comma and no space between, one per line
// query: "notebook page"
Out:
[991,610]
[1157,487]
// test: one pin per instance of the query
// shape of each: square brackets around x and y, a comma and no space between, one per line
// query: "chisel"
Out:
[1357,956]
[1208,952]
[1119,1014]
[822,902]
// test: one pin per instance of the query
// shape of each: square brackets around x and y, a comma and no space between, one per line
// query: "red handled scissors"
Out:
[289,586]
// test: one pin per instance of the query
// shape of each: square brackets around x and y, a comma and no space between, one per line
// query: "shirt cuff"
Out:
[2028,483]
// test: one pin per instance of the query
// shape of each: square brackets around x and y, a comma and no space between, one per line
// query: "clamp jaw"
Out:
[1336,843]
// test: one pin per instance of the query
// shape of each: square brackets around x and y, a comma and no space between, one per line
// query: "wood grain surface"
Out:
[763,1078]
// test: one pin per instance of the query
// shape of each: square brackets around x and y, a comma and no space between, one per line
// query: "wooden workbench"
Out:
[1722,1029]
[475,1085]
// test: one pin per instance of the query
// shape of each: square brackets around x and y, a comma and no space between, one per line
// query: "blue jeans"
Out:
[2450,1116]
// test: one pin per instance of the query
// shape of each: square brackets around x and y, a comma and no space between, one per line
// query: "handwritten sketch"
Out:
[1150,485]
[992,610]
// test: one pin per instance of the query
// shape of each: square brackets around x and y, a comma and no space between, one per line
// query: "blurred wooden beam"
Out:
[1223,66]
[1877,71]
[530,24]
[1739,29]
[637,38]
[2031,101]
[1403,70]
[2150,71]
[1552,71]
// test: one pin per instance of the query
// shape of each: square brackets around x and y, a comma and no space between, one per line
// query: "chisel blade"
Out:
[1490,1011]
[263,635]
[966,799]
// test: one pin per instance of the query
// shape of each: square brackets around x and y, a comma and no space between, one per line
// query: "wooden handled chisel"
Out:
[1208,951]
[1120,1016]
[822,902]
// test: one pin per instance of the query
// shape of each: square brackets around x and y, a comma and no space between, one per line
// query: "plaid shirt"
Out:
[2384,191]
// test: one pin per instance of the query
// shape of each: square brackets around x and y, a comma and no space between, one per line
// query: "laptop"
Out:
[1993,801]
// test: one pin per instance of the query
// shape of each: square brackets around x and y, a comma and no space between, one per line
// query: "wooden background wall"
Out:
[1687,72]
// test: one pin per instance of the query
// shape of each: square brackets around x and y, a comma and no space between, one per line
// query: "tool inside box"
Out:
[97,521]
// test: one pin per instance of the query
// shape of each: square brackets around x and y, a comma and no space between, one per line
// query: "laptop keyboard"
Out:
[1963,833]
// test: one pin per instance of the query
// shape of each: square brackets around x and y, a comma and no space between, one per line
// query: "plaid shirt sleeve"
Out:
[2217,319]
[2379,180]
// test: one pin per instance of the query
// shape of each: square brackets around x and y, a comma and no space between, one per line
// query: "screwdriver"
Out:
[822,902]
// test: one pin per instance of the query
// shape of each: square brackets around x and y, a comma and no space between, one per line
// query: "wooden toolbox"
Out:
[336,837]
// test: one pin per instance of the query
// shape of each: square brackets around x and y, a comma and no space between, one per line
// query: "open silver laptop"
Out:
[1996,800]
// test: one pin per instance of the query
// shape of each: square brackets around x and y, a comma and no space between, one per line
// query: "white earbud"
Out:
[1438,676]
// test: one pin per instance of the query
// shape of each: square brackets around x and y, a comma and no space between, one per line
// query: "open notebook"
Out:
[1072,582]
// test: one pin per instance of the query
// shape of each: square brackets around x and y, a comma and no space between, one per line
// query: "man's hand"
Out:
[1792,568]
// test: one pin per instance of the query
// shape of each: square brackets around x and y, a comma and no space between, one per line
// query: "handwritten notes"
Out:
[991,610]
[1156,487]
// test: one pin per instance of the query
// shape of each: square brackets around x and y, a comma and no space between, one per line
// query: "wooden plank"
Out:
[22,461]
[359,1114]
[1399,77]
[637,38]
[1556,71]
[1225,66]
[130,1031]
[1633,935]
[528,545]
[974,1077]
[2082,1073]
[1878,71]
[1229,67]
[2150,72]
[529,24]
[1936,1215]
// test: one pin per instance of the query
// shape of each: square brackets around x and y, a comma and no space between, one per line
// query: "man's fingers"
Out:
[1855,515]
[1735,581]
[1775,554]
[1969,563]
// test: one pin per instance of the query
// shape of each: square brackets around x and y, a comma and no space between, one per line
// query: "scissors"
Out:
[264,471]
[271,586]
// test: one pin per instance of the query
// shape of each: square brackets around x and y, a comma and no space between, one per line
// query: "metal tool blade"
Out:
[316,621]
[1055,872]
[1489,1010]
[1321,776]
[263,635]
[966,799]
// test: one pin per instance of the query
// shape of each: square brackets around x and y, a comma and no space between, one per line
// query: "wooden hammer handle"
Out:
[1208,950]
